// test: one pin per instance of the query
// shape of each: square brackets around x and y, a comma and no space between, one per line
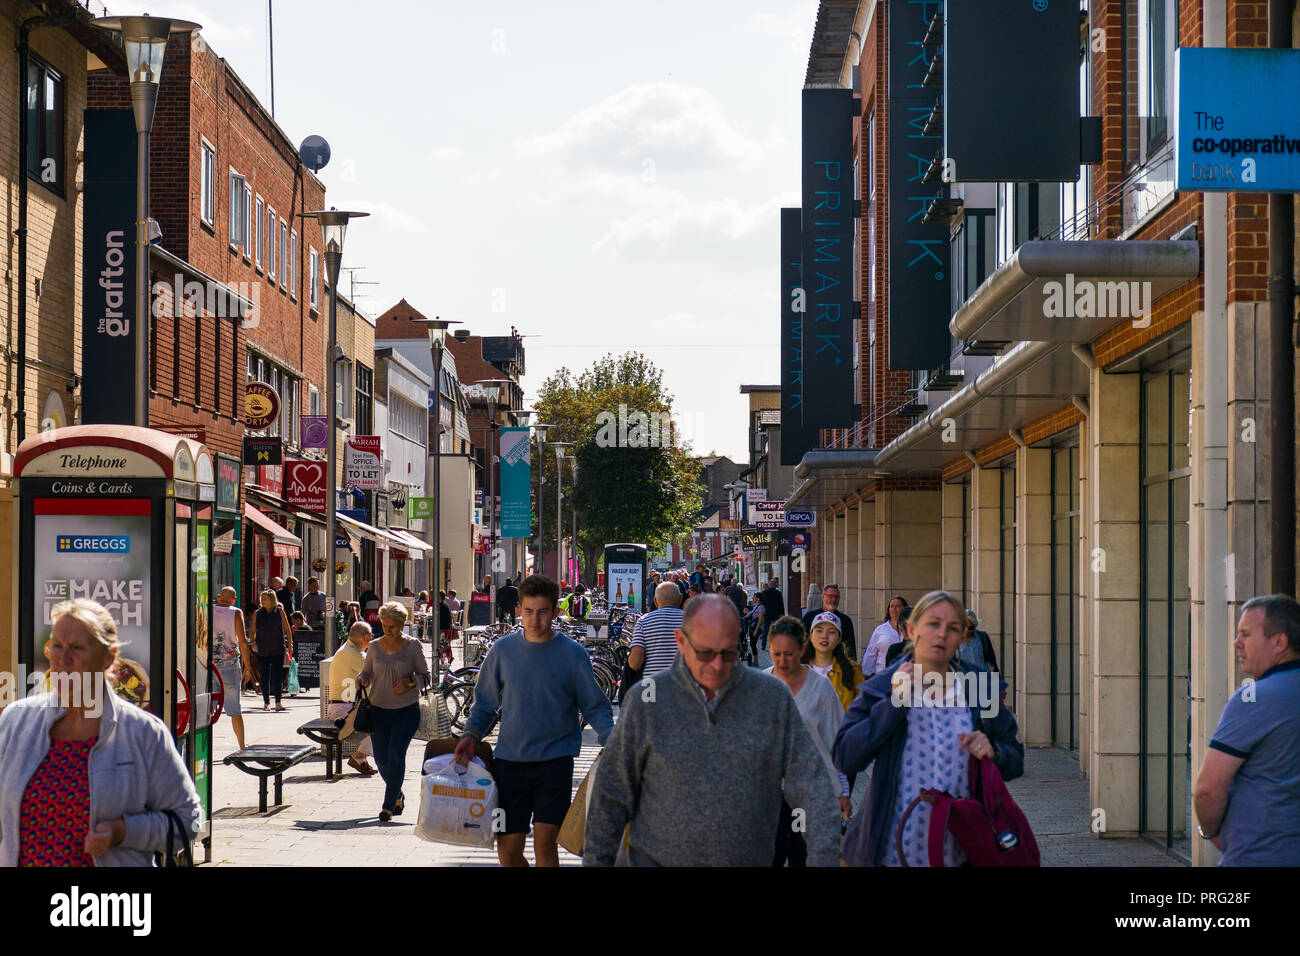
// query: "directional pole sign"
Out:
[768,515]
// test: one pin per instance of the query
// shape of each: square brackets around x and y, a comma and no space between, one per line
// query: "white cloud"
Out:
[684,229]
[670,125]
[795,25]
[385,215]
[446,154]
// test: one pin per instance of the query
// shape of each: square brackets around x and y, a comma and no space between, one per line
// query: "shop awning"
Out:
[413,543]
[284,544]
[1053,290]
[382,539]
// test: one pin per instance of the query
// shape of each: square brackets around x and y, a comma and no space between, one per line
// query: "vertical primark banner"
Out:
[919,307]
[827,254]
[109,326]
[795,437]
[516,484]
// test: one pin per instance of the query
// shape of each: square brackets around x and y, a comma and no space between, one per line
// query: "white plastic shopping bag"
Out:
[457,804]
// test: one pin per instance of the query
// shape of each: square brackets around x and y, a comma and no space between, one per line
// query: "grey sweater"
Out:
[701,789]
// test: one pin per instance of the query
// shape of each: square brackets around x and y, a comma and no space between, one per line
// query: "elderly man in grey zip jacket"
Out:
[136,774]
[701,757]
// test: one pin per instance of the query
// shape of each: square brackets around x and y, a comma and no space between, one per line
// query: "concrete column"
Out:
[1034,702]
[1083,565]
[851,597]
[986,572]
[909,553]
[953,520]
[870,601]
[1114,493]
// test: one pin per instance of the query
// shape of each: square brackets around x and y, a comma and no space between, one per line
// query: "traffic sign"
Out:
[801,518]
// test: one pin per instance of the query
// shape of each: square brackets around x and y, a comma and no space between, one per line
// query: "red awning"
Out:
[284,544]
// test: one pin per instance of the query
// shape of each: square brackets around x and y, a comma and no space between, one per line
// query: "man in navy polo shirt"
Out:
[1249,786]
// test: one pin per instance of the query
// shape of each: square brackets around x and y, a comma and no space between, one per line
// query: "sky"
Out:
[603,176]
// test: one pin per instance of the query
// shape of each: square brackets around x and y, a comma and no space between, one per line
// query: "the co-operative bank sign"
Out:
[1238,119]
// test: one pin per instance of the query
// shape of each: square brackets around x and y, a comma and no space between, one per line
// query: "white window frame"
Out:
[238,222]
[284,250]
[270,243]
[259,234]
[313,278]
[248,222]
[293,264]
[313,400]
[208,184]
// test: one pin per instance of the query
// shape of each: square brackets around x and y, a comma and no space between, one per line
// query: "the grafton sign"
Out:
[1238,119]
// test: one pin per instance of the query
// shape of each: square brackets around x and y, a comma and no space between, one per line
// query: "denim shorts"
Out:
[232,675]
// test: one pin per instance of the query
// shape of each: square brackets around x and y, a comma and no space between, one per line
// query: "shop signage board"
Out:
[363,462]
[228,480]
[769,515]
[755,540]
[261,405]
[795,437]
[314,431]
[262,451]
[421,508]
[109,328]
[1238,119]
[801,518]
[304,484]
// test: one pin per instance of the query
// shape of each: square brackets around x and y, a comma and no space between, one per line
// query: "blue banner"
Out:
[515,478]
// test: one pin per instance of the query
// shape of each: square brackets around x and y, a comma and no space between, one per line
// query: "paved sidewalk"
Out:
[335,822]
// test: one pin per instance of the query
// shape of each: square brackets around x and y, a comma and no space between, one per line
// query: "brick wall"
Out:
[202,101]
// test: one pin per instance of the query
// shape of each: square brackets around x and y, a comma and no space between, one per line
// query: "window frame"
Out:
[284,253]
[237,237]
[270,243]
[259,238]
[313,279]
[207,184]
[293,264]
[50,76]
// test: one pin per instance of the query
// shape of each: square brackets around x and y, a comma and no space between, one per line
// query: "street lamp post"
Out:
[437,329]
[559,447]
[144,40]
[492,389]
[540,429]
[334,229]
[573,517]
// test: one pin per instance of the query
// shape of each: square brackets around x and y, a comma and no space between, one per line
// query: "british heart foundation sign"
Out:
[304,484]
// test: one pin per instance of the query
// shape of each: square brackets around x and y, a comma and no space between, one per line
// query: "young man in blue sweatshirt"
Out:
[539,681]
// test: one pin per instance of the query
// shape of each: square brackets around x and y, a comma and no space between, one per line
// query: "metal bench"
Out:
[269,760]
[325,732]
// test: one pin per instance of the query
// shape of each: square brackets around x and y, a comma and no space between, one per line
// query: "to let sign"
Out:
[768,514]
[304,484]
[363,464]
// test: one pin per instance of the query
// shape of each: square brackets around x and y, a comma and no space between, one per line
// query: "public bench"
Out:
[269,760]
[325,731]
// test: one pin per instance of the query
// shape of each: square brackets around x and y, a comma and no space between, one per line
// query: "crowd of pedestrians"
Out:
[710,761]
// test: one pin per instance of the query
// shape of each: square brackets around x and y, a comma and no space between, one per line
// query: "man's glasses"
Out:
[706,657]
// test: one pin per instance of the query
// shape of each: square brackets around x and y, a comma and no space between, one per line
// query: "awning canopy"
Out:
[1055,290]
[413,543]
[284,544]
[382,539]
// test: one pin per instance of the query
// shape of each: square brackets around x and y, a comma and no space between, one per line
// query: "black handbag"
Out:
[180,852]
[628,678]
[365,719]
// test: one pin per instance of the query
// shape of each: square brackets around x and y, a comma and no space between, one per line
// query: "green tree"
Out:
[635,481]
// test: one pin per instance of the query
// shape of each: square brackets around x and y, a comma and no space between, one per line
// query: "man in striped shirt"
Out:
[654,641]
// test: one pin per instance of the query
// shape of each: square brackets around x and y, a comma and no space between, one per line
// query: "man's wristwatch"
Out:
[1203,834]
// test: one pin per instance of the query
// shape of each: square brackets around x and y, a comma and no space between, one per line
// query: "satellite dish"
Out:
[315,153]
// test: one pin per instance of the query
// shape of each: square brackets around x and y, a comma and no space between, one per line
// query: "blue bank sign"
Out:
[1238,120]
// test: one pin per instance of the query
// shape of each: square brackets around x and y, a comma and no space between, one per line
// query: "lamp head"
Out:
[333,226]
[144,40]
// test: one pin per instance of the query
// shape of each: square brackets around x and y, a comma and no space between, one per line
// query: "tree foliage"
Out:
[645,491]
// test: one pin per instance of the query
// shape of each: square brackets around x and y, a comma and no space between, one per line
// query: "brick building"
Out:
[40,373]
[227,189]
[1093,489]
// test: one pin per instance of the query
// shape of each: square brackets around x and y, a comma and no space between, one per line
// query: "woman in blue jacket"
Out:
[920,721]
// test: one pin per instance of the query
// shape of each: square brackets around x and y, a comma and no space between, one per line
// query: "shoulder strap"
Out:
[938,827]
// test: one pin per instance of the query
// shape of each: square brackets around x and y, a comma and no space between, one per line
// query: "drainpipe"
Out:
[24,48]
[1281,309]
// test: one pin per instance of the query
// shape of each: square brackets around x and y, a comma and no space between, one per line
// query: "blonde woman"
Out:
[272,637]
[394,673]
[915,747]
[86,778]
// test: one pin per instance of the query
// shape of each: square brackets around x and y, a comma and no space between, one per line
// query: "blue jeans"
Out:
[394,730]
